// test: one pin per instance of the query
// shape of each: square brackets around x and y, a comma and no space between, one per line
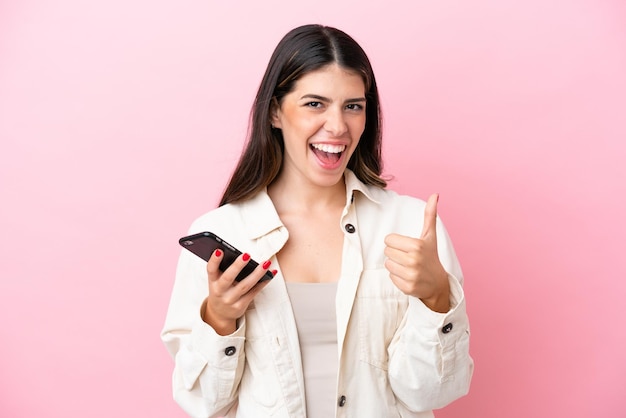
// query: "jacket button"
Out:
[342,401]
[230,351]
[447,328]
[350,228]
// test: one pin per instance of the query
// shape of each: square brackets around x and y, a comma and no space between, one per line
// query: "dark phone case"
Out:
[205,243]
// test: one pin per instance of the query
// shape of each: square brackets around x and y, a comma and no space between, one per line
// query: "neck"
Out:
[289,194]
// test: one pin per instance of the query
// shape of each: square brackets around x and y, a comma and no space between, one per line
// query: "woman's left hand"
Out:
[414,266]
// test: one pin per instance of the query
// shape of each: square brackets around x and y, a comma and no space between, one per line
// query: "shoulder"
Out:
[390,211]
[250,219]
[228,214]
[383,198]
[387,199]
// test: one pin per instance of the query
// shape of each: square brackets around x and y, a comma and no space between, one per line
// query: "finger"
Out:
[253,278]
[403,285]
[233,270]
[408,256]
[251,294]
[213,265]
[430,218]
[395,241]
[394,268]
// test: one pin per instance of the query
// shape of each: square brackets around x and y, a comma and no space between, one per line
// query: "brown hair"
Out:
[302,50]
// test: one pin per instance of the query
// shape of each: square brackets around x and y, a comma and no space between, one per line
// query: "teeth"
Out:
[331,149]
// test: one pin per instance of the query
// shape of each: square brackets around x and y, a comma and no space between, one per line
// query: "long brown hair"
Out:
[302,50]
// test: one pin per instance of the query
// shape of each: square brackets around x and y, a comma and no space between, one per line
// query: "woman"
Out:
[365,316]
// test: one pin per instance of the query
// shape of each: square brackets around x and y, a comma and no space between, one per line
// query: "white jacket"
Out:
[397,358]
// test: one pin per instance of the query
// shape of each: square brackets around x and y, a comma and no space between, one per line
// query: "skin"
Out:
[414,265]
[325,108]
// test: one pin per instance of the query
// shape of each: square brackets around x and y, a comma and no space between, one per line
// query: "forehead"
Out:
[332,78]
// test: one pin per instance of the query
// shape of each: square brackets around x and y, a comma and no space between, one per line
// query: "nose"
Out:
[335,122]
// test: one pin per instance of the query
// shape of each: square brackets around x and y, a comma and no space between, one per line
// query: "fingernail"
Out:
[274,272]
[266,265]
[246,257]
[218,253]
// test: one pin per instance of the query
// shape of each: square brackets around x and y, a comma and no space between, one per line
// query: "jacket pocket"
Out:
[379,307]
[259,389]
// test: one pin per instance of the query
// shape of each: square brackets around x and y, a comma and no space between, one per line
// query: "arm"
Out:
[429,362]
[206,377]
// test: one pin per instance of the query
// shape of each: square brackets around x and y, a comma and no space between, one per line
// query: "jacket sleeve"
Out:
[429,361]
[208,367]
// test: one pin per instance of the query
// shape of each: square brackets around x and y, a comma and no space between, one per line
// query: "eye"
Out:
[315,105]
[354,106]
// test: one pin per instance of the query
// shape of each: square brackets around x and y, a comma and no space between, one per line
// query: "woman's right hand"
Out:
[229,299]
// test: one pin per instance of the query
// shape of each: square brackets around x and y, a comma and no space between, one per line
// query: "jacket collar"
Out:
[260,217]
[354,184]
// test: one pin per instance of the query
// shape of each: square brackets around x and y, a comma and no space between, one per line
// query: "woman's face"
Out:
[322,120]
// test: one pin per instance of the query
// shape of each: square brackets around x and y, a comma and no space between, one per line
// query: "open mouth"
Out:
[327,153]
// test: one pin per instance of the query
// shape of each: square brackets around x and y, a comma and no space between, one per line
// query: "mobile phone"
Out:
[205,243]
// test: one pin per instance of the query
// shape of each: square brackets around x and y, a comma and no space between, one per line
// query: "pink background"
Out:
[121,120]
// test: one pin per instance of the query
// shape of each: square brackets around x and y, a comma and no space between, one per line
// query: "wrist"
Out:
[221,326]
[440,301]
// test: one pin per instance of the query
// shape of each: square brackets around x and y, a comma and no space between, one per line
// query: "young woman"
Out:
[365,315]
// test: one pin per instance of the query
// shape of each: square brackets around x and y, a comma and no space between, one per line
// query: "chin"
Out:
[329,179]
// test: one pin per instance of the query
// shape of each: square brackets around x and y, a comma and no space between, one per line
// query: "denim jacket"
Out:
[397,358]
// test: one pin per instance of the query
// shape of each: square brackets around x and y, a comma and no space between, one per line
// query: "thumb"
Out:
[430,218]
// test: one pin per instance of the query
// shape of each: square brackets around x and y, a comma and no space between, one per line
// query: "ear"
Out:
[275,114]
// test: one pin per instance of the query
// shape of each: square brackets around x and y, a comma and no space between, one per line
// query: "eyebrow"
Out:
[326,99]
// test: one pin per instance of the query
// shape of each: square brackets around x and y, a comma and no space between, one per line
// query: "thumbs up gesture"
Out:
[414,266]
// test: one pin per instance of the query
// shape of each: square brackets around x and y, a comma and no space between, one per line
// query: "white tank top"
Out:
[314,309]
